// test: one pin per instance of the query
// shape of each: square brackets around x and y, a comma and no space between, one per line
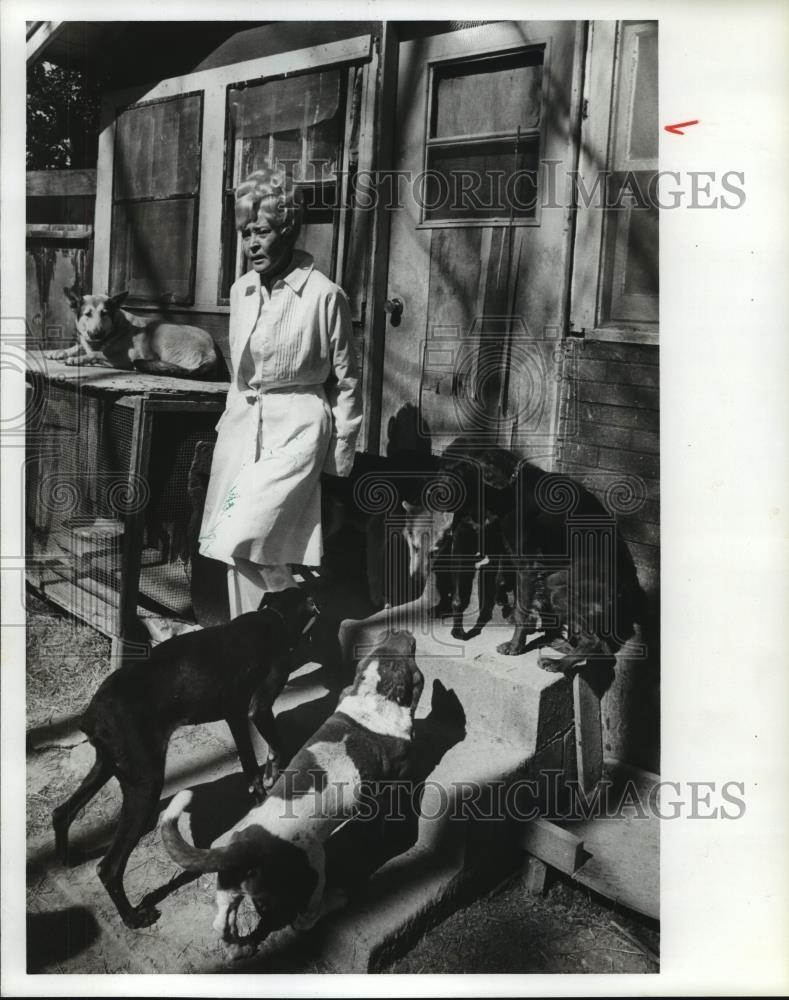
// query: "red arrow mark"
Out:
[675,129]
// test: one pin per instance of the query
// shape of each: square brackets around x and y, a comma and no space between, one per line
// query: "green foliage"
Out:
[62,117]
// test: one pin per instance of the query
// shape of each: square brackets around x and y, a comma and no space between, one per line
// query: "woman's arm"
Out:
[343,390]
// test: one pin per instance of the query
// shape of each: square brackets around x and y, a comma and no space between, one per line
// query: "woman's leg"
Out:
[247,582]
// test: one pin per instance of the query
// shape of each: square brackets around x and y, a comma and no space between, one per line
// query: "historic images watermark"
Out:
[548,796]
[497,192]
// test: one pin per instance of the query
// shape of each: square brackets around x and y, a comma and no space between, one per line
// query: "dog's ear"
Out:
[75,299]
[265,600]
[114,302]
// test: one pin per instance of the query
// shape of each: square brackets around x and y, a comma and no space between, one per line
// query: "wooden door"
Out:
[484,144]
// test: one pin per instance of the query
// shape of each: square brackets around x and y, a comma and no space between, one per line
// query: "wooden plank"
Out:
[640,354]
[115,380]
[133,530]
[629,461]
[535,873]
[65,183]
[618,416]
[625,850]
[619,437]
[588,734]
[618,372]
[553,845]
[376,321]
[632,396]
[646,336]
[600,56]
[577,453]
[44,35]
[58,231]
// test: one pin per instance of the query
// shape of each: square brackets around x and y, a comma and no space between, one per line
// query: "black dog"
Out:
[518,515]
[233,672]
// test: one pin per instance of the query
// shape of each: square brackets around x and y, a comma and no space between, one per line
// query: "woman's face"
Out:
[267,247]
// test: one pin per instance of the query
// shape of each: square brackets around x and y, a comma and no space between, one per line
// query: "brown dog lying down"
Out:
[275,855]
[229,672]
[110,336]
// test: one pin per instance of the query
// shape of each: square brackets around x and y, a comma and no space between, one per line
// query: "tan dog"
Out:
[276,855]
[110,336]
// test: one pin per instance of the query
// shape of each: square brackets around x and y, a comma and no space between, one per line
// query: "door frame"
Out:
[384,143]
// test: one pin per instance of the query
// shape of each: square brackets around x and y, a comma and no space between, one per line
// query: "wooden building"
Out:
[477,189]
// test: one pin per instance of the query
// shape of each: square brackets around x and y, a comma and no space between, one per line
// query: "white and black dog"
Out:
[276,855]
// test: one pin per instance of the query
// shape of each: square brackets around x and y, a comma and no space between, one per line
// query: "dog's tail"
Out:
[193,859]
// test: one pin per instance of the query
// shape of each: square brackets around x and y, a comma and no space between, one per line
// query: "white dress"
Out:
[293,410]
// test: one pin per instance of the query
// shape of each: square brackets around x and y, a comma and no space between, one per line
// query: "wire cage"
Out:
[113,498]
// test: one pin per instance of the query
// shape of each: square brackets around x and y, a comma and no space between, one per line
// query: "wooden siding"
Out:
[610,426]
[609,429]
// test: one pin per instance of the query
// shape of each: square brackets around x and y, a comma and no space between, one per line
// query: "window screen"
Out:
[155,196]
[484,138]
[297,124]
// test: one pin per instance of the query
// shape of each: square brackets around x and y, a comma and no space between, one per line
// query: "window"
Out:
[631,242]
[615,269]
[483,139]
[297,123]
[156,185]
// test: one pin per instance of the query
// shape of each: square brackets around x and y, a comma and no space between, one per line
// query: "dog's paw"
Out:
[258,787]
[552,664]
[71,361]
[510,648]
[271,772]
[55,355]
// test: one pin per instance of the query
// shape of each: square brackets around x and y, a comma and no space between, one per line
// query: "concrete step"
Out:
[484,721]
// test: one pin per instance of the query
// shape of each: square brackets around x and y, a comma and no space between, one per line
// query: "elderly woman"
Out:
[293,408]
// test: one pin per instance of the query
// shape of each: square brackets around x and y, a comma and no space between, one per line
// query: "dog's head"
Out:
[295,607]
[390,669]
[95,314]
[426,534]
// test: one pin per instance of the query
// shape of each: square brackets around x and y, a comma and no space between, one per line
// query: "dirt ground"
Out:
[511,930]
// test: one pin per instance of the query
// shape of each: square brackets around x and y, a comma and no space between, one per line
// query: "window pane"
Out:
[494,95]
[644,128]
[631,254]
[294,123]
[297,124]
[636,126]
[283,105]
[481,180]
[157,149]
[152,251]
[641,272]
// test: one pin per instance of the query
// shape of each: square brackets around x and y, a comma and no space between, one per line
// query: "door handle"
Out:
[394,307]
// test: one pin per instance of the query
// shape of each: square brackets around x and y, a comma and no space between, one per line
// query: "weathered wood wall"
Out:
[610,431]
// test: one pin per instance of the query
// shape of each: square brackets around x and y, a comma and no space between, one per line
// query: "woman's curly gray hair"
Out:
[270,193]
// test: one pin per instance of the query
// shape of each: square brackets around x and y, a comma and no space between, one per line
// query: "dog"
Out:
[276,854]
[584,613]
[231,671]
[110,336]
